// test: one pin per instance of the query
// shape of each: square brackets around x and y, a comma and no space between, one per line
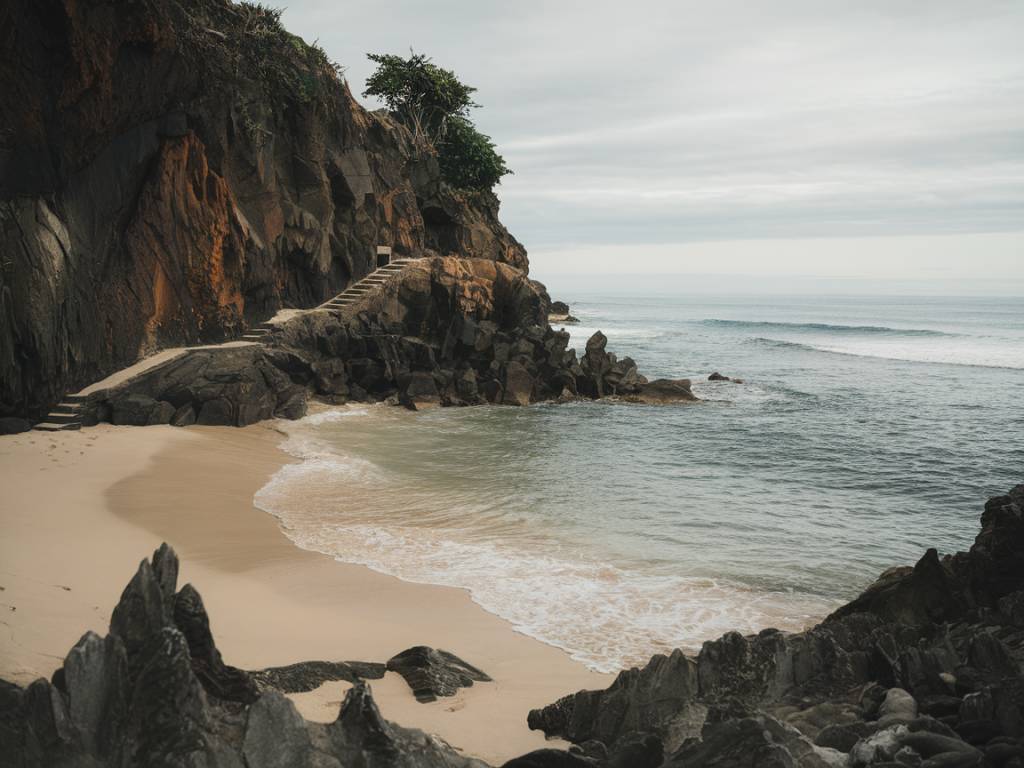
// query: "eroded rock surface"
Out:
[444,331]
[431,673]
[155,692]
[923,669]
[310,675]
[172,171]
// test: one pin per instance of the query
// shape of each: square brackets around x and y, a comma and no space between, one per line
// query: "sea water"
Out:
[866,431]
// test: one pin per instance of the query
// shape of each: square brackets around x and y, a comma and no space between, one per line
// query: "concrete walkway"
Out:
[67,414]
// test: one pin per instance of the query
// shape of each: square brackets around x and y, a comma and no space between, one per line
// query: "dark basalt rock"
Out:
[133,217]
[716,376]
[219,679]
[139,410]
[432,673]
[310,675]
[936,633]
[12,425]
[276,736]
[662,391]
[446,331]
[155,692]
[549,758]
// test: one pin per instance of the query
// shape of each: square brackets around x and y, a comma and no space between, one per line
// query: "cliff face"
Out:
[441,331]
[173,171]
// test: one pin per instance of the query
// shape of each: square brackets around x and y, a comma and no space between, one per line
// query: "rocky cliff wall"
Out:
[443,331]
[174,170]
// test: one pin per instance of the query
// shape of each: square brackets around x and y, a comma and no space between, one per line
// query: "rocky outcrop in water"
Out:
[923,669]
[155,692]
[172,171]
[443,331]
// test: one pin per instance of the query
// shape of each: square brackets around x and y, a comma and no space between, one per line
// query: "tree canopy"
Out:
[434,104]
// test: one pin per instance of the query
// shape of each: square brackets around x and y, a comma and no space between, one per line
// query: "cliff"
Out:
[441,331]
[172,171]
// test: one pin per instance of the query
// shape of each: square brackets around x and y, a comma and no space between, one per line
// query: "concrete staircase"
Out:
[66,415]
[257,333]
[372,282]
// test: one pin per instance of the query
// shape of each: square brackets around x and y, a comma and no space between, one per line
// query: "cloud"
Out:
[672,122]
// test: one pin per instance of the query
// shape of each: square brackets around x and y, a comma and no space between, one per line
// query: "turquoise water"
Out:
[866,430]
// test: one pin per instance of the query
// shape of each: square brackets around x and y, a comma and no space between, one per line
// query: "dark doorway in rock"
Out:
[383,256]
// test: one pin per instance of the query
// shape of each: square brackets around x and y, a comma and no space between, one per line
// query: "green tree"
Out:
[434,104]
[468,159]
[419,92]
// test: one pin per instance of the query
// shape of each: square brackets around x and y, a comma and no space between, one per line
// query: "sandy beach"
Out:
[81,509]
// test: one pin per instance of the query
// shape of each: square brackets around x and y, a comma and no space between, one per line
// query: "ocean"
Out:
[867,430]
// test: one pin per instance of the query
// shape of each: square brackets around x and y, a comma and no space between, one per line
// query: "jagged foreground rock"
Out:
[923,669]
[446,330]
[155,693]
[172,171]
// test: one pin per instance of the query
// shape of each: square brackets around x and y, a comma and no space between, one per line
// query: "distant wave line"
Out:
[861,329]
[811,348]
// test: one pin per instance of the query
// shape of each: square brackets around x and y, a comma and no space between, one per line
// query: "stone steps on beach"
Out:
[372,283]
[64,415]
[67,414]
[47,426]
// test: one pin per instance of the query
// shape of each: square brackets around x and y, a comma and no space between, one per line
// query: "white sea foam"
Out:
[605,616]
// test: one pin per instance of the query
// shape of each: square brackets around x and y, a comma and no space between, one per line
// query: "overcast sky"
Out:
[641,131]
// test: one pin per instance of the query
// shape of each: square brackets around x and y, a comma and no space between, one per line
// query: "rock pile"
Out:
[445,331]
[155,692]
[923,669]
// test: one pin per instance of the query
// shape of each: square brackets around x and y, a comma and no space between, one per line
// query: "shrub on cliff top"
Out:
[420,94]
[468,159]
[285,61]
[434,104]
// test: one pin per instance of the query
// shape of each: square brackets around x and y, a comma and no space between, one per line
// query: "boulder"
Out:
[518,385]
[897,707]
[219,679]
[431,673]
[12,425]
[276,736]
[664,391]
[184,416]
[139,410]
[420,388]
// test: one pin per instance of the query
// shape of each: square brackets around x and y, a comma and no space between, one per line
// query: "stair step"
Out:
[74,398]
[63,418]
[49,426]
[260,331]
[66,408]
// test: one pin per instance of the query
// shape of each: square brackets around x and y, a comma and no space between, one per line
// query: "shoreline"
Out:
[83,508]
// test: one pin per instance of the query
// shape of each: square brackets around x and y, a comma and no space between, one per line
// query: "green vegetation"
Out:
[434,104]
[284,61]
[468,159]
